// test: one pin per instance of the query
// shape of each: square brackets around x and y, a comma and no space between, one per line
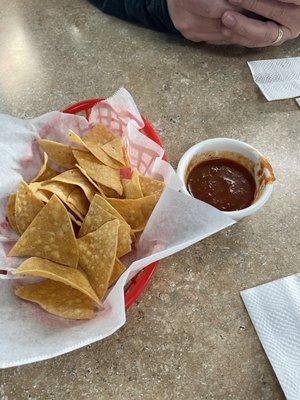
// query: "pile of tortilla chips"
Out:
[75,226]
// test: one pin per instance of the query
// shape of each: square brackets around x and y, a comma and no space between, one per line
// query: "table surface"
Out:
[188,336]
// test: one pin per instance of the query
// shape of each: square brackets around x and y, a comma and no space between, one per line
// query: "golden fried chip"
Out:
[99,134]
[42,268]
[11,212]
[59,153]
[74,219]
[62,190]
[117,271]
[75,177]
[103,203]
[108,192]
[91,142]
[45,172]
[97,255]
[136,212]
[97,216]
[27,206]
[58,299]
[132,187]
[78,199]
[115,150]
[101,173]
[50,235]
[151,186]
[105,191]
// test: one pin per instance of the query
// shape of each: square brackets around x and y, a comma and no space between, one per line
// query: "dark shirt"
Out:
[151,13]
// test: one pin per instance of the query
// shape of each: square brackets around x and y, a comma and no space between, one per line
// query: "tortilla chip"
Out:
[78,199]
[59,153]
[97,255]
[27,206]
[45,172]
[50,235]
[42,268]
[136,212]
[103,203]
[75,177]
[118,270]
[151,186]
[115,150]
[58,299]
[99,134]
[11,212]
[62,190]
[92,142]
[100,173]
[97,216]
[96,186]
[75,220]
[132,187]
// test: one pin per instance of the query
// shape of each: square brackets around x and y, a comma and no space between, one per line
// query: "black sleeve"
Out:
[151,13]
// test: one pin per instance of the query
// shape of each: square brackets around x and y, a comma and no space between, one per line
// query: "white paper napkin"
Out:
[274,309]
[277,79]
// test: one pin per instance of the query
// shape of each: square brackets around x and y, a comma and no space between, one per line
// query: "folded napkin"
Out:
[277,79]
[274,309]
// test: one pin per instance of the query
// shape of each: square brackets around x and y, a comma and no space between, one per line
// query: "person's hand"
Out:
[199,20]
[283,22]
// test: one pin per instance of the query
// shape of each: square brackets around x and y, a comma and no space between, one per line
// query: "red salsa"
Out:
[223,183]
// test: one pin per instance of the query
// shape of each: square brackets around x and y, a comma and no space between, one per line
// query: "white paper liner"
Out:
[29,334]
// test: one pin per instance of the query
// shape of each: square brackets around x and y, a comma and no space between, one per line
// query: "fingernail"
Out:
[228,20]
[235,2]
[226,32]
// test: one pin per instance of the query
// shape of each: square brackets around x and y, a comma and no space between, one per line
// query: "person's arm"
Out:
[151,13]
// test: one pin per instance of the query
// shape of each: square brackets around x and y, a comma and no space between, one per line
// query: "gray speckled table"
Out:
[189,336]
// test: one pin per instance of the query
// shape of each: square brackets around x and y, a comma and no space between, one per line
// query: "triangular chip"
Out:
[58,299]
[62,190]
[103,203]
[97,255]
[27,206]
[97,216]
[132,187]
[136,212]
[151,186]
[75,177]
[59,153]
[50,235]
[74,219]
[103,190]
[42,268]
[99,134]
[41,194]
[117,271]
[115,150]
[11,212]
[91,143]
[78,199]
[45,172]
[101,173]
[96,186]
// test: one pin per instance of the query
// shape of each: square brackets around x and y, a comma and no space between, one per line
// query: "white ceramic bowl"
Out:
[219,147]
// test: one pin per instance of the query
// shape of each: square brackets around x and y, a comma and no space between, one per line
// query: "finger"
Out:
[271,9]
[255,31]
[207,8]
[297,2]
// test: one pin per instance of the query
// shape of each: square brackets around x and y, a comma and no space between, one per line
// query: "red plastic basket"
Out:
[140,281]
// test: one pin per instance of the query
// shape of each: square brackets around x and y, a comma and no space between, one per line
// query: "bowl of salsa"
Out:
[228,174]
